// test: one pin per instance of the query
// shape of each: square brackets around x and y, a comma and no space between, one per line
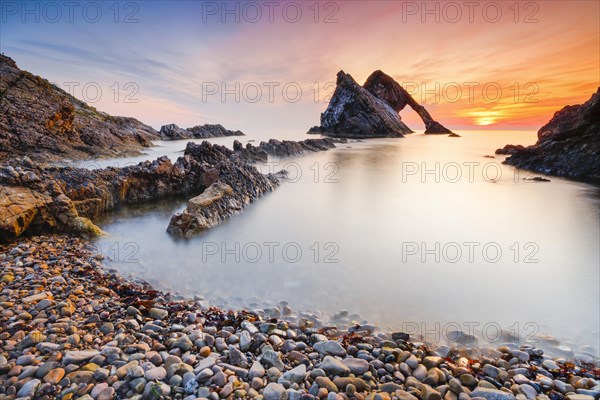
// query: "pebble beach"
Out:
[70,329]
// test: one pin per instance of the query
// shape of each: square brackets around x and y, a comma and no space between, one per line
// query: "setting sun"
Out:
[485,121]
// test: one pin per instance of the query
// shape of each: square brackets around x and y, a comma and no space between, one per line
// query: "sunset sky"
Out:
[181,55]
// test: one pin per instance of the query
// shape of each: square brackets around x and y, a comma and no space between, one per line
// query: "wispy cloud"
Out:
[171,54]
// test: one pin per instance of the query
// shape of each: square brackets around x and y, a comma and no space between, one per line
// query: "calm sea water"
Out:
[408,233]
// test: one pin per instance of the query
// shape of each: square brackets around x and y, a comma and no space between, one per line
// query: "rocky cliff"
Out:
[354,112]
[387,89]
[173,132]
[44,122]
[568,145]
[372,110]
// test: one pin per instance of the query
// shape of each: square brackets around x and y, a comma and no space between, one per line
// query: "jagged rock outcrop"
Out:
[46,123]
[52,200]
[250,152]
[212,130]
[387,89]
[287,148]
[36,200]
[237,186]
[568,145]
[284,148]
[173,132]
[510,149]
[229,193]
[354,112]
[206,210]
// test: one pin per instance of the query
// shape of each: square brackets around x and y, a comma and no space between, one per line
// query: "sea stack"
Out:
[354,112]
[387,89]
[371,111]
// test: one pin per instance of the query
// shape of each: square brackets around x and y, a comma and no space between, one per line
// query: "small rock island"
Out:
[174,132]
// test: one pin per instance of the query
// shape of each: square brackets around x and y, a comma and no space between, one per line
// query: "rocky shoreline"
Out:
[229,193]
[37,200]
[568,145]
[71,329]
